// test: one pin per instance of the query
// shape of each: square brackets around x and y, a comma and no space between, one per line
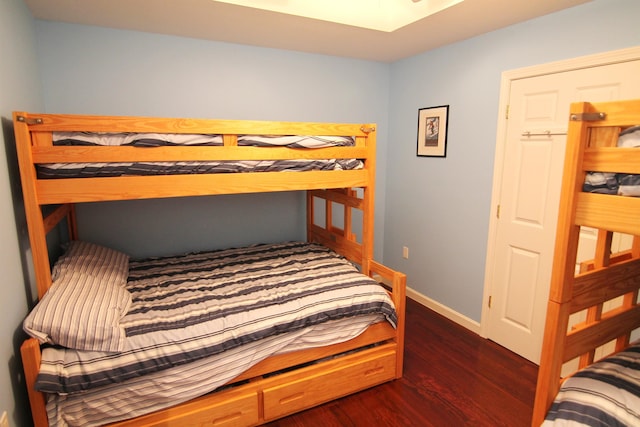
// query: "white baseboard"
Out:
[445,311]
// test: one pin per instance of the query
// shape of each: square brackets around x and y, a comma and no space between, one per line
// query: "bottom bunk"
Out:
[606,393]
[253,398]
[238,336]
[590,368]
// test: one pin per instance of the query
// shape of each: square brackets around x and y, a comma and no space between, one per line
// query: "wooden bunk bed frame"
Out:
[255,397]
[591,140]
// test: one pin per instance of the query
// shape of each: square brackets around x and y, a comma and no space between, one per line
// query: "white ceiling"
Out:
[214,20]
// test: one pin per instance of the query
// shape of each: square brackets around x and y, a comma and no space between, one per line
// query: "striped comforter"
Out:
[623,184]
[187,308]
[606,393]
[113,169]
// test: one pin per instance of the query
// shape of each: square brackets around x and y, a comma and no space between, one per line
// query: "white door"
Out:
[520,260]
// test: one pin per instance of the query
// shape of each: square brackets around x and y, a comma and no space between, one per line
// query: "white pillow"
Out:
[81,311]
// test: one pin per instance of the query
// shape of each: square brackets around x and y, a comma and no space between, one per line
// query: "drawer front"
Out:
[237,411]
[326,385]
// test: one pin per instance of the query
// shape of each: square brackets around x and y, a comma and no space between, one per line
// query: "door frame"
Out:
[595,60]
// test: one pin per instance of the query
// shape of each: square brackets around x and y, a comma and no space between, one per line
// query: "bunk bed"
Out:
[127,158]
[589,365]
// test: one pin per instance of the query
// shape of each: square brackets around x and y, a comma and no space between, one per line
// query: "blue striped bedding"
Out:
[623,184]
[606,393]
[114,169]
[190,307]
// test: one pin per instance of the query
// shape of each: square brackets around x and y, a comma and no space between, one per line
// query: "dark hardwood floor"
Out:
[452,378]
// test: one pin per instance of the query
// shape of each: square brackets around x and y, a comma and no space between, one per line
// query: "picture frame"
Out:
[432,131]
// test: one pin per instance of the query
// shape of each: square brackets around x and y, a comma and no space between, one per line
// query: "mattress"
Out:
[210,316]
[606,393]
[113,169]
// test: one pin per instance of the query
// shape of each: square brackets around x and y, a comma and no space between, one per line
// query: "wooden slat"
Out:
[89,123]
[603,137]
[54,218]
[612,325]
[613,213]
[605,284]
[618,113]
[615,259]
[350,249]
[622,160]
[339,197]
[84,154]
[594,313]
[54,191]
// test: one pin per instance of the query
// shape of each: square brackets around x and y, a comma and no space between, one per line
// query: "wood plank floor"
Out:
[452,378]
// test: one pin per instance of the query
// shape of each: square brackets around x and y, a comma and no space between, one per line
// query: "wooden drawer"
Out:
[237,410]
[327,383]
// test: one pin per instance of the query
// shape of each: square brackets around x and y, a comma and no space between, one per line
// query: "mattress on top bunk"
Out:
[141,321]
[77,170]
[606,393]
[623,184]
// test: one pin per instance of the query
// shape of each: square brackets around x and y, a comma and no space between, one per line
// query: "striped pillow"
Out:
[89,258]
[81,311]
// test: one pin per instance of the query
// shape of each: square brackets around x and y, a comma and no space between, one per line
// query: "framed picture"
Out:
[432,131]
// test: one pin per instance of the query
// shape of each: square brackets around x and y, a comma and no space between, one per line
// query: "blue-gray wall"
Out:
[19,89]
[100,71]
[439,208]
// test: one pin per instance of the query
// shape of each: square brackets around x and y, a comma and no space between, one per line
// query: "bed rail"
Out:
[34,135]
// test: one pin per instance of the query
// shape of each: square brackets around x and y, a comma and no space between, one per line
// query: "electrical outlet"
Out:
[4,420]
[405,252]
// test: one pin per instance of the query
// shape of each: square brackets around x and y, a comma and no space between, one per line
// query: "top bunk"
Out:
[599,147]
[69,159]
[217,156]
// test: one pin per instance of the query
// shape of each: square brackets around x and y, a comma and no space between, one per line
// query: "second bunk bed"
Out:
[590,365]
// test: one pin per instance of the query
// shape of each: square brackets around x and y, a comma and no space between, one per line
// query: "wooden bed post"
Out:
[564,260]
[368,196]
[30,352]
[592,146]
[33,211]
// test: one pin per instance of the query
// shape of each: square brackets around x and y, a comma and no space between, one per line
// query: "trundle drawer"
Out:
[240,410]
[327,384]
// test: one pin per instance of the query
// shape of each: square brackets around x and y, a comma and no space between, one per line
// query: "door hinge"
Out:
[489,303]
[498,211]
[506,114]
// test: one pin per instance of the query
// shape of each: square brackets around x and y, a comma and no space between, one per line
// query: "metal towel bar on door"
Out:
[545,133]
